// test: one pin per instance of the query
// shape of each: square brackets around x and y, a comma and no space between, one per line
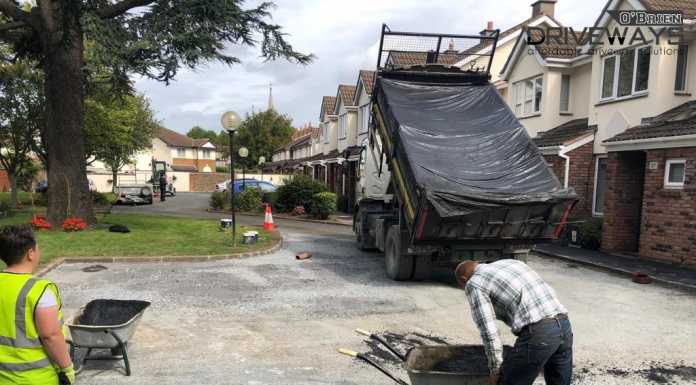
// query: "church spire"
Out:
[270,96]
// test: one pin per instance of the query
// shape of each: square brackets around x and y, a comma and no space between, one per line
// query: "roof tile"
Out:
[678,121]
[347,94]
[563,134]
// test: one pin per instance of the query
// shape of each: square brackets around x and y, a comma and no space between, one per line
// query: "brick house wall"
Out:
[668,230]
[581,176]
[623,201]
[4,181]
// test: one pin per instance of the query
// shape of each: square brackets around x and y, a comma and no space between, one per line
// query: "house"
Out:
[616,120]
[543,13]
[645,150]
[183,153]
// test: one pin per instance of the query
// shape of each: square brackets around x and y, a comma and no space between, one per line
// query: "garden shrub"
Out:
[322,205]
[590,233]
[218,201]
[248,200]
[41,199]
[100,199]
[271,198]
[297,191]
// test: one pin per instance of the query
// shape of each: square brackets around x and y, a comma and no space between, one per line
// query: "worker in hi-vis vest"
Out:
[32,332]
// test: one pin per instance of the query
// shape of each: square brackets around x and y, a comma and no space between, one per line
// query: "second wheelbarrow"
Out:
[106,324]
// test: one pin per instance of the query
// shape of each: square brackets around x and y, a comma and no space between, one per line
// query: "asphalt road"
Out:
[275,320]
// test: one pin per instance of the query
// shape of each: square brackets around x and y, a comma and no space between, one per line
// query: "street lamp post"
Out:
[230,122]
[262,160]
[243,153]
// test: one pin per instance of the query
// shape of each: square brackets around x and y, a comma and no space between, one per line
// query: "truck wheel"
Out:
[423,267]
[360,233]
[399,266]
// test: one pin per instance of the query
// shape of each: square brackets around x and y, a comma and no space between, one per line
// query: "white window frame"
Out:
[668,165]
[206,153]
[686,70]
[594,189]
[180,152]
[570,81]
[521,98]
[617,66]
[342,126]
[364,117]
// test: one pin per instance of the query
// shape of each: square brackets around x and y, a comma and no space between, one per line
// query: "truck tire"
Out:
[423,267]
[360,233]
[398,264]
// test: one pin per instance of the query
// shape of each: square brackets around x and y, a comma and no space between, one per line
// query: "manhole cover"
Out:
[94,268]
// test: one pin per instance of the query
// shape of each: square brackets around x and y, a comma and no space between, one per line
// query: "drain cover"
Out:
[94,268]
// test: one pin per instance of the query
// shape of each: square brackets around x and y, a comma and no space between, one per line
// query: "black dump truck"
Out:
[448,173]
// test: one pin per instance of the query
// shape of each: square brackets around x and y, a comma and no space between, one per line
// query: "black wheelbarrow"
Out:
[435,364]
[105,324]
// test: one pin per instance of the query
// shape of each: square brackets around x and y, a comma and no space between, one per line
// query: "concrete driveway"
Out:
[276,320]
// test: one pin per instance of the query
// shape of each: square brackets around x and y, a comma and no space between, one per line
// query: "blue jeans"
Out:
[546,346]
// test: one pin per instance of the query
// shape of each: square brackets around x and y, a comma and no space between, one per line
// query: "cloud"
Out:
[344,35]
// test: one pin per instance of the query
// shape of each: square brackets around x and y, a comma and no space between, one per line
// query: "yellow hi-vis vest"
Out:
[22,357]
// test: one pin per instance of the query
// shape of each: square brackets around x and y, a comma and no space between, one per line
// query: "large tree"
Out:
[151,38]
[198,132]
[21,108]
[117,128]
[262,133]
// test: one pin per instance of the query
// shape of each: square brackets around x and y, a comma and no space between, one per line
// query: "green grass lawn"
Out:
[149,236]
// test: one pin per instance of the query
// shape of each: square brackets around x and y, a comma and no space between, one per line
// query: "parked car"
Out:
[42,186]
[134,194]
[239,184]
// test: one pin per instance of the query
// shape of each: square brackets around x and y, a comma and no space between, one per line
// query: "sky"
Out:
[344,37]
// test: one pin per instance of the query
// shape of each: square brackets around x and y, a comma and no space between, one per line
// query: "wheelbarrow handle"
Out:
[379,367]
[382,341]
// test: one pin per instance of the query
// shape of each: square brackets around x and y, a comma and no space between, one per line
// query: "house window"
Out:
[206,153]
[528,95]
[675,173]
[364,118]
[325,133]
[682,62]
[599,186]
[565,93]
[342,126]
[626,74]
[181,152]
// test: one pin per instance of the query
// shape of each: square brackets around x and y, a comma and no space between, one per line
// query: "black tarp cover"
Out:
[465,148]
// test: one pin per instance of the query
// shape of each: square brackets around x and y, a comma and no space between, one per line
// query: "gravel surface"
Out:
[276,320]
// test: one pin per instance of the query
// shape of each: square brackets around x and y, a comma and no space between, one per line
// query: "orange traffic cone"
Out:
[268,220]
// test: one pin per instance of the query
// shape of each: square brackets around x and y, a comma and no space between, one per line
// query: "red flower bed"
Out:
[38,222]
[74,224]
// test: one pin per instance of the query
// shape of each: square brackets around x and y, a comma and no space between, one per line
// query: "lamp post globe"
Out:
[230,121]
[262,160]
[243,153]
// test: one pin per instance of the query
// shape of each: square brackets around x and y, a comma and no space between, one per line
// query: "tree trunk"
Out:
[68,188]
[114,180]
[13,191]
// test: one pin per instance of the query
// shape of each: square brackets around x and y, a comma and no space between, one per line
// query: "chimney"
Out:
[543,7]
[489,29]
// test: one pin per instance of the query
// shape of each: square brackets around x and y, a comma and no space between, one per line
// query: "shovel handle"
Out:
[363,332]
[348,352]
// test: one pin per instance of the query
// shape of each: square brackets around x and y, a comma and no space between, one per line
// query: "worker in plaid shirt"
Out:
[510,291]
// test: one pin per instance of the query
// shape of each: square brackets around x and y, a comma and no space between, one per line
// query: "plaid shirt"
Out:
[512,292]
